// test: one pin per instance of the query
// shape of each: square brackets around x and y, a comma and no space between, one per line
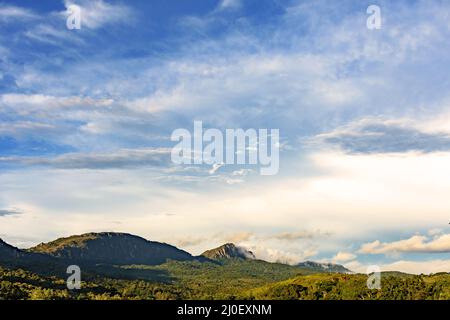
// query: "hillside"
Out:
[21,284]
[7,251]
[353,287]
[13,257]
[111,248]
[228,251]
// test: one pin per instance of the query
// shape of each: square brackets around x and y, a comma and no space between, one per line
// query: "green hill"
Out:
[354,287]
[111,248]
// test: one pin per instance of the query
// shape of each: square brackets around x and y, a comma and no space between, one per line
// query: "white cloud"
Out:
[417,243]
[124,158]
[49,34]
[325,76]
[343,256]
[407,266]
[24,103]
[229,4]
[281,256]
[14,13]
[304,234]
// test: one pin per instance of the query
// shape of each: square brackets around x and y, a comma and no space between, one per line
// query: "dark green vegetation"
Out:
[353,286]
[123,266]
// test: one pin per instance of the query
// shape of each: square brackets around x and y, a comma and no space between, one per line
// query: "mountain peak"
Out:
[112,247]
[228,251]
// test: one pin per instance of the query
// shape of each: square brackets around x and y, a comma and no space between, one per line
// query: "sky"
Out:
[86,117]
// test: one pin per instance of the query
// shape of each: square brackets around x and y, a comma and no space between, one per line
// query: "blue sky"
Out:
[364,117]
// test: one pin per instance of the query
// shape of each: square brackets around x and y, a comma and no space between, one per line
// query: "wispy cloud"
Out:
[10,212]
[126,158]
[343,256]
[291,236]
[373,135]
[8,13]
[229,4]
[51,35]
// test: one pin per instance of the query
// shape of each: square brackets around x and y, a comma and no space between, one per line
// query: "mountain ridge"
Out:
[111,248]
[119,248]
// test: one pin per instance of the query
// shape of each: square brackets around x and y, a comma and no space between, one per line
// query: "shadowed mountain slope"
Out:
[112,248]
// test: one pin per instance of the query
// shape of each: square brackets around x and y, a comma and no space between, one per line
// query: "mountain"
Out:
[8,252]
[13,257]
[228,251]
[323,267]
[111,248]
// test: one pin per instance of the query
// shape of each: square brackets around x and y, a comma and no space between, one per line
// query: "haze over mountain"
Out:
[324,267]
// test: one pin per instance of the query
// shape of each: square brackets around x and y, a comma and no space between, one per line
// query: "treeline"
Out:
[23,285]
[354,287]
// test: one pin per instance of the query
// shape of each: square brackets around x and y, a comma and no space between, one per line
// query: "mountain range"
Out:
[124,266]
[112,248]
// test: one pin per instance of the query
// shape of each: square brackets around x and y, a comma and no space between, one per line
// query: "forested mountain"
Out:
[124,266]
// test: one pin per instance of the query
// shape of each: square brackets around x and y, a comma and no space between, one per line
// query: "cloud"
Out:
[343,256]
[190,241]
[371,135]
[27,103]
[229,4]
[282,256]
[14,128]
[10,212]
[125,158]
[415,244]
[407,266]
[291,236]
[51,35]
[238,237]
[312,69]
[418,267]
[220,238]
[8,13]
[98,13]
